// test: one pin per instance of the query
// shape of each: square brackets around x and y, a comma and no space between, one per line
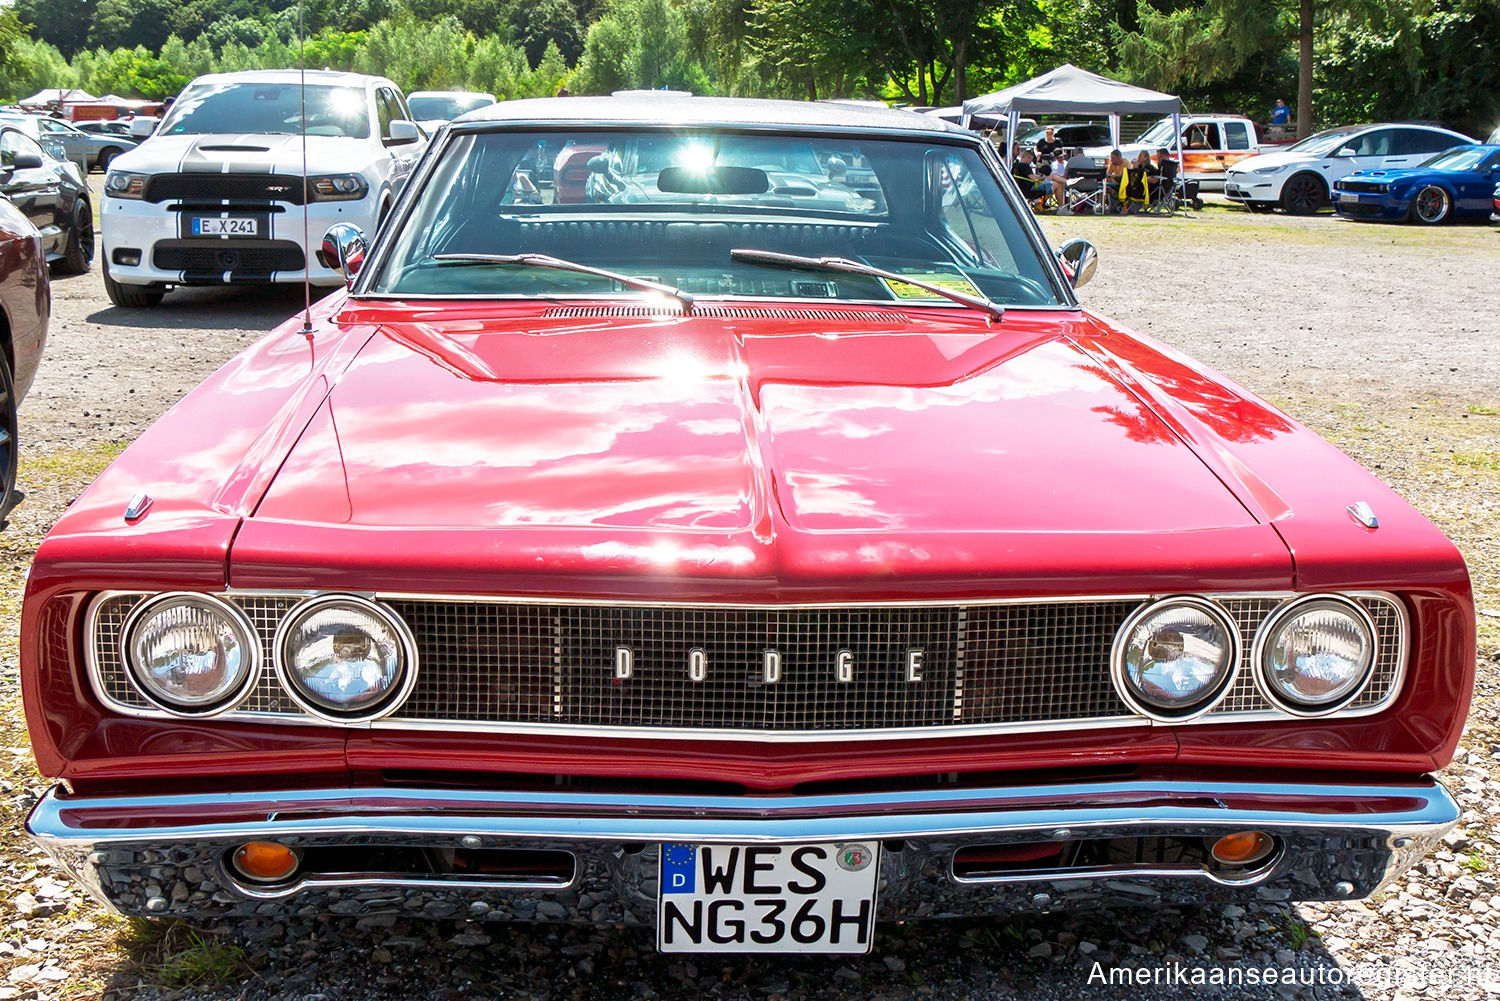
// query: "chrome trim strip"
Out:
[751,819]
[937,732]
[1247,878]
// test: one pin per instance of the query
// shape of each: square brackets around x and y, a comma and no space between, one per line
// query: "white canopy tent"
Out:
[42,98]
[1070,90]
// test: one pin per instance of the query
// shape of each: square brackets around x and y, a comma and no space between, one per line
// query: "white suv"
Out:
[215,196]
[1300,178]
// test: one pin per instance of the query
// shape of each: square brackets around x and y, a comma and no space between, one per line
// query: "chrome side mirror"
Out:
[1079,259]
[344,249]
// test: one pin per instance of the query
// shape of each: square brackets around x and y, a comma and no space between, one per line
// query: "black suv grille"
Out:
[217,187]
[259,257]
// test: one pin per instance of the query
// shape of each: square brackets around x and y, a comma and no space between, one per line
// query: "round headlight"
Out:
[1315,655]
[191,654]
[344,658]
[1174,659]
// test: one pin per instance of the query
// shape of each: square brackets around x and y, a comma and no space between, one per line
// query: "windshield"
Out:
[446,107]
[1159,134]
[669,207]
[1467,158]
[227,108]
[1322,142]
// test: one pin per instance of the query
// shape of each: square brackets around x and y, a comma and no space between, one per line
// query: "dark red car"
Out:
[25,307]
[713,558]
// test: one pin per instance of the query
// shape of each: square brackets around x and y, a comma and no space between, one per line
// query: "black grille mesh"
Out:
[216,187]
[551,664]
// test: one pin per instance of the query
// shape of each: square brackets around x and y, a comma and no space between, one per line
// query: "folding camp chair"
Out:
[1086,196]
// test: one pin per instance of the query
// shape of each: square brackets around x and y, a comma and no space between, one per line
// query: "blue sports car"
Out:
[1456,184]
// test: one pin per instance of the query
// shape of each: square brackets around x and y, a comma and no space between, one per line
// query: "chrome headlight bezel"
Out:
[1285,613]
[234,616]
[293,687]
[1215,693]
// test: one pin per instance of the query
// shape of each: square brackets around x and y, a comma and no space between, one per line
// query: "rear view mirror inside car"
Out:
[713,181]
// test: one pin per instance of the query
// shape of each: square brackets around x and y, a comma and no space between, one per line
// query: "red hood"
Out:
[749,448]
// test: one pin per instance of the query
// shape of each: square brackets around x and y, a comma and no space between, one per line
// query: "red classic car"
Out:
[751,565]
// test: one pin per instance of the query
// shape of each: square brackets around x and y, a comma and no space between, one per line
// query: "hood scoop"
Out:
[881,317]
[234,149]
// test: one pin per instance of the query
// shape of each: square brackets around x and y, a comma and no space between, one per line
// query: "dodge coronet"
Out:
[738,554]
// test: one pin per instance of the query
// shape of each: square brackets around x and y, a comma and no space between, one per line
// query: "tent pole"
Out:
[1012,120]
[1177,145]
[1114,130]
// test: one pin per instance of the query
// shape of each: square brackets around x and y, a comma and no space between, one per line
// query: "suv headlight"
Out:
[1173,660]
[121,184]
[345,658]
[1315,655]
[337,187]
[191,654]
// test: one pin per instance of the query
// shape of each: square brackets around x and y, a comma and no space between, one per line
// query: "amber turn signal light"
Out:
[1243,847]
[264,861]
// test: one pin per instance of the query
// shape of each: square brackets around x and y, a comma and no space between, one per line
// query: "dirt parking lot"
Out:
[1381,338]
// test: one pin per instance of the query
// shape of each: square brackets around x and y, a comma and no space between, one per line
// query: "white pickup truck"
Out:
[1211,144]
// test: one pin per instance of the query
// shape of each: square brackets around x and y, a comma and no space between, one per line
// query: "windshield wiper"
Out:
[557,263]
[771,257]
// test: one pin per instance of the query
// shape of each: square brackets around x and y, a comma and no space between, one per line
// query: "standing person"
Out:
[1049,145]
[1281,114]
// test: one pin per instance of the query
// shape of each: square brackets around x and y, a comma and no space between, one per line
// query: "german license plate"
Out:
[230,226]
[808,898]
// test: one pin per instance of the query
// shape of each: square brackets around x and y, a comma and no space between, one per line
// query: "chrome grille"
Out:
[541,665]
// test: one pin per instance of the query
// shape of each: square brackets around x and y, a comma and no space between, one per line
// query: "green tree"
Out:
[132,23]
[536,23]
[497,67]
[29,66]
[64,23]
[1213,40]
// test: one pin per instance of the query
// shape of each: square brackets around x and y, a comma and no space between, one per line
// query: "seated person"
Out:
[1135,185]
[1114,170]
[1079,164]
[1027,179]
[1166,168]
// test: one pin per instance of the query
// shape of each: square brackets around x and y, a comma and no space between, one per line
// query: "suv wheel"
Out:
[131,296]
[1302,194]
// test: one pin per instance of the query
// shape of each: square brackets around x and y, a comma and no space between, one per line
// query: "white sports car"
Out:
[1300,177]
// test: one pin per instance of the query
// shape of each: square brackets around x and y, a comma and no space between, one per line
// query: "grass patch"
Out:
[1481,410]
[177,955]
[71,464]
[1478,460]
[1297,933]
[1475,863]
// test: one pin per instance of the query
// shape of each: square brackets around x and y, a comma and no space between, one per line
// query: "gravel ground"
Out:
[1376,336]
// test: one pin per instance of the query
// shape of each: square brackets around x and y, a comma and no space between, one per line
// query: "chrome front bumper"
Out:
[166,855]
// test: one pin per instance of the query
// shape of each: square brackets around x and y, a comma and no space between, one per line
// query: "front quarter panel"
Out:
[204,465]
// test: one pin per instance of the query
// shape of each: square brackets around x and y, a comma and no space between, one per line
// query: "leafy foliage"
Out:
[1350,59]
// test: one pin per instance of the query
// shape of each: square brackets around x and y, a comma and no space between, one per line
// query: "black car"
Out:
[47,193]
[1070,134]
